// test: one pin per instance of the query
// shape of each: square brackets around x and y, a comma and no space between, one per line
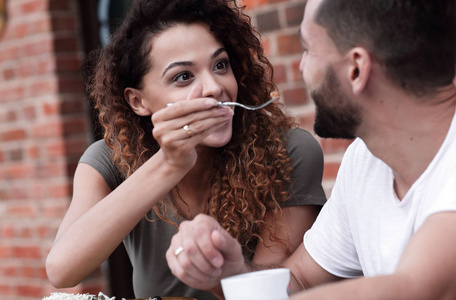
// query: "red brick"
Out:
[5,290]
[34,67]
[56,148]
[280,73]
[9,53]
[51,109]
[41,273]
[72,107]
[44,232]
[297,74]
[33,6]
[10,271]
[26,232]
[22,211]
[4,252]
[18,193]
[306,121]
[334,145]
[71,84]
[9,74]
[20,30]
[68,63]
[18,171]
[266,43]
[46,66]
[45,45]
[11,93]
[63,23]
[53,129]
[7,231]
[294,14]
[330,170]
[33,152]
[14,135]
[38,190]
[75,126]
[16,154]
[295,96]
[52,169]
[30,290]
[59,190]
[28,271]
[41,25]
[58,5]
[289,44]
[27,252]
[76,147]
[29,112]
[43,87]
[65,44]
[10,116]
[55,211]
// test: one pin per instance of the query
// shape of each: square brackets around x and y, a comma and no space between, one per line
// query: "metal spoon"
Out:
[275,96]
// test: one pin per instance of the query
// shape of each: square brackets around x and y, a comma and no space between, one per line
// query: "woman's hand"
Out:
[200,116]
[202,253]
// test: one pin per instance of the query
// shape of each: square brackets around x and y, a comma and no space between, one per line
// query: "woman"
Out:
[161,164]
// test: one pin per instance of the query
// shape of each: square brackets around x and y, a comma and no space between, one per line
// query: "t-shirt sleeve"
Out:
[446,199]
[330,242]
[307,163]
[98,156]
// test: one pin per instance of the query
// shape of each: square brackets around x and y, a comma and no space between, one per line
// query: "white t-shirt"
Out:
[364,228]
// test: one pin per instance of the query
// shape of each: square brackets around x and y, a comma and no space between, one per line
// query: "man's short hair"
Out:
[414,40]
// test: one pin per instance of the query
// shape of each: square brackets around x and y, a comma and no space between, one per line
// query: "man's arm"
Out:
[426,270]
[305,272]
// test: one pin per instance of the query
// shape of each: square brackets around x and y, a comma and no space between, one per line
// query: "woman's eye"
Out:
[183,76]
[221,65]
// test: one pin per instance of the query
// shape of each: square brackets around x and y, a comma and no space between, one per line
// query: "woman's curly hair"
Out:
[252,172]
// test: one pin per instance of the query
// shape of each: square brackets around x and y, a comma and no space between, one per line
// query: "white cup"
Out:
[272,284]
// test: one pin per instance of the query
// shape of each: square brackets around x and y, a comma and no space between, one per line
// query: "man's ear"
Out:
[360,67]
[134,97]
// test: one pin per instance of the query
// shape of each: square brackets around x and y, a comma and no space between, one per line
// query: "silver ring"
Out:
[178,251]
[186,128]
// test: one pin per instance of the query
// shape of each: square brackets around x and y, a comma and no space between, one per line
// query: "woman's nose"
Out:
[211,87]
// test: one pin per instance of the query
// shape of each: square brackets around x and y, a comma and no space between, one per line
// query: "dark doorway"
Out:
[99,18]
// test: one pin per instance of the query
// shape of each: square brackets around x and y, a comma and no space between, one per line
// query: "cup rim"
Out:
[255,274]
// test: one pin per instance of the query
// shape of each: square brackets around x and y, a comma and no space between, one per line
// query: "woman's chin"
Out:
[217,139]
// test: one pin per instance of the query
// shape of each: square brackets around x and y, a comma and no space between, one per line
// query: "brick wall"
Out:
[44,128]
[43,132]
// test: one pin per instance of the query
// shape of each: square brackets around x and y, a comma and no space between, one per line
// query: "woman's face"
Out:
[181,57]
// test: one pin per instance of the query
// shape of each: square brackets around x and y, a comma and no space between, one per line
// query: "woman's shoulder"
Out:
[98,156]
[302,142]
[98,148]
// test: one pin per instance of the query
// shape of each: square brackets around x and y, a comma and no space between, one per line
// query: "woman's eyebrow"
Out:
[189,63]
[217,53]
[175,64]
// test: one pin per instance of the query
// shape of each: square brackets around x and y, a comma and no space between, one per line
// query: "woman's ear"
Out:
[360,69]
[134,97]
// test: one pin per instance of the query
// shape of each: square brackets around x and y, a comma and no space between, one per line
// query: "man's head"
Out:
[412,41]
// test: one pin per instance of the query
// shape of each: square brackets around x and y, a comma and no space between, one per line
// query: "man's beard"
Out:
[336,116]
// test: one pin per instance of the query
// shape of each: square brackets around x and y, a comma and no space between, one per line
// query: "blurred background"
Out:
[46,123]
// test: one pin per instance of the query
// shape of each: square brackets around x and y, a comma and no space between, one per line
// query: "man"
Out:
[381,71]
